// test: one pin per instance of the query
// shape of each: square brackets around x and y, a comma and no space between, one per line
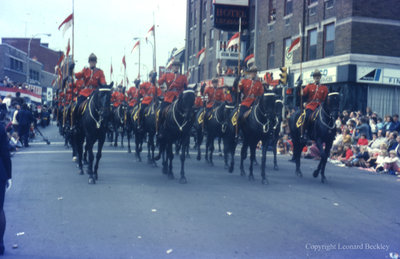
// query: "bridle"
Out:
[180,126]
[98,122]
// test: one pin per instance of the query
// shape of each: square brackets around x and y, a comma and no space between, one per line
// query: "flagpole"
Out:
[139,60]
[154,38]
[238,75]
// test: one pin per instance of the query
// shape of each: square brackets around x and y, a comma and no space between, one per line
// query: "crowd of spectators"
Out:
[363,140]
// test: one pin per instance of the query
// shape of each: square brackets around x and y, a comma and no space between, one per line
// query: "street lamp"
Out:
[29,53]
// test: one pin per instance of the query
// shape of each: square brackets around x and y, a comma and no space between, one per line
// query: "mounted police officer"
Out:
[314,94]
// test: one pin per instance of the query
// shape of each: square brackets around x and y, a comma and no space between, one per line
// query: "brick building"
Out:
[13,63]
[352,42]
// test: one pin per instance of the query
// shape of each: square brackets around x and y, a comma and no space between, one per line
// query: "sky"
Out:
[104,27]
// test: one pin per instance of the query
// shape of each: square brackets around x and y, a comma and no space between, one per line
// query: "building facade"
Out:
[13,64]
[352,43]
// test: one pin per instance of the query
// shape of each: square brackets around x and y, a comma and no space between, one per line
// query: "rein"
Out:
[264,125]
[323,122]
[176,121]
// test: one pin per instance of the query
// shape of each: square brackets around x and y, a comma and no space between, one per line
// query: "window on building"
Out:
[329,40]
[211,41]
[33,75]
[211,8]
[286,44]
[271,55]
[329,4]
[210,70]
[288,7]
[190,15]
[272,10]
[194,16]
[16,65]
[189,50]
[312,44]
[310,2]
[204,40]
[312,11]
[204,13]
[194,46]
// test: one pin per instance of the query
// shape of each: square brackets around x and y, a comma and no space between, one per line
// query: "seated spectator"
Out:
[376,144]
[397,149]
[347,137]
[348,153]
[392,164]
[380,125]
[395,126]
[387,124]
[312,151]
[338,139]
[364,128]
[359,158]
[362,141]
[14,142]
[392,142]
[372,124]
[337,153]
[380,161]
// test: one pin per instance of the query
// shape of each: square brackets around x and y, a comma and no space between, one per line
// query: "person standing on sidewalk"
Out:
[5,180]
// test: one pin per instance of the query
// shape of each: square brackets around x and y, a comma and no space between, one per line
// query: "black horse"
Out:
[216,125]
[133,127]
[178,121]
[258,124]
[92,126]
[119,121]
[149,129]
[229,137]
[322,130]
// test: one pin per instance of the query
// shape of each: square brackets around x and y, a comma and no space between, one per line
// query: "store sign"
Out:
[229,54]
[373,75]
[226,17]
[288,57]
[328,75]
[49,94]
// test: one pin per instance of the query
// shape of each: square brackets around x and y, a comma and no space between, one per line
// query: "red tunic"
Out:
[316,95]
[175,85]
[148,91]
[117,98]
[198,102]
[214,94]
[91,79]
[251,89]
[132,96]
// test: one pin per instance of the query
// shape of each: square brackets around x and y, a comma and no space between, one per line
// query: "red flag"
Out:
[234,40]
[136,45]
[68,49]
[295,45]
[201,54]
[66,24]
[150,32]
[123,62]
[249,57]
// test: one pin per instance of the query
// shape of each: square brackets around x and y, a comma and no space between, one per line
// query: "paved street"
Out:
[136,212]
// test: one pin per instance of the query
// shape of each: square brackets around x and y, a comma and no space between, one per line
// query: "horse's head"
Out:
[186,101]
[332,104]
[103,96]
[267,102]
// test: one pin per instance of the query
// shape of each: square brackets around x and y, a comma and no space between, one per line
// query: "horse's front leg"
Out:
[322,155]
[327,152]
[211,150]
[243,155]
[263,162]
[79,146]
[274,143]
[219,146]
[185,144]
[128,135]
[199,141]
[252,158]
[89,144]
[170,157]
[99,153]
[122,137]
[297,153]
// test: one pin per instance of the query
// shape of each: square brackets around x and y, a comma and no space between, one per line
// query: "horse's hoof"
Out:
[182,180]
[276,167]
[316,173]
[198,157]
[323,179]
[230,169]
[220,154]
[299,173]
[91,180]
[171,176]
[74,159]
[264,181]
[129,151]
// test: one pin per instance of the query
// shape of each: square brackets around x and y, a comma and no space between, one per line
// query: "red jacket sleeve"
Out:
[162,79]
[102,78]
